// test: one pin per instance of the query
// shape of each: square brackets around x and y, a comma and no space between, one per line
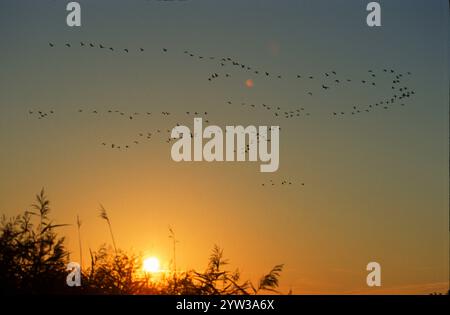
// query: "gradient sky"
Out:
[376,185]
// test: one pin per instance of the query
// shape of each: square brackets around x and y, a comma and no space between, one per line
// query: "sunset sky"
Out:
[375,184]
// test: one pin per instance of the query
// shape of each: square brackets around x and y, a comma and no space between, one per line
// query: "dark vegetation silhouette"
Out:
[32,256]
[33,260]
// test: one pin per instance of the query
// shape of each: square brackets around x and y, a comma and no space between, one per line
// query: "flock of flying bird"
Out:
[40,114]
[277,111]
[165,134]
[283,182]
[325,82]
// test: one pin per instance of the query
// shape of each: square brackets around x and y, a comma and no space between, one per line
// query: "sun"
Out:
[151,264]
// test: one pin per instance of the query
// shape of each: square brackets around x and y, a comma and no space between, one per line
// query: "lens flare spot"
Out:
[249,83]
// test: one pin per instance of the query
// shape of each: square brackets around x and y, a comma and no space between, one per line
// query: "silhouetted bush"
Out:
[32,257]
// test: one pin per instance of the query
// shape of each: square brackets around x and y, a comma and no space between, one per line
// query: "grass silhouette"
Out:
[105,217]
